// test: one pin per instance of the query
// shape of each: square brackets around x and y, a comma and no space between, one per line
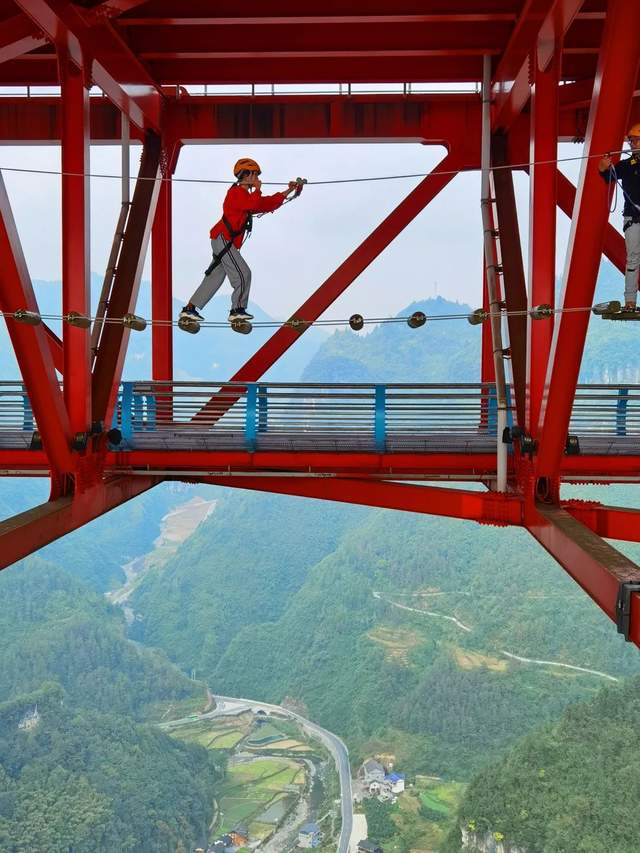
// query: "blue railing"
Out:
[373,418]
[367,417]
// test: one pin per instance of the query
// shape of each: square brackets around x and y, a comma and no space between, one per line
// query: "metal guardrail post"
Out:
[262,408]
[250,423]
[380,425]
[126,414]
[27,413]
[151,412]
[621,411]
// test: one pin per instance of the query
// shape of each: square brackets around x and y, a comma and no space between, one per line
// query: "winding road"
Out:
[510,655]
[228,705]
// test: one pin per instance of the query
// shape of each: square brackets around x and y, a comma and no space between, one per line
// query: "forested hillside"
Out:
[332,634]
[572,786]
[86,781]
[77,771]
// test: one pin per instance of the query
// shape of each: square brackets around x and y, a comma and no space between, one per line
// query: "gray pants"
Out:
[232,266]
[632,239]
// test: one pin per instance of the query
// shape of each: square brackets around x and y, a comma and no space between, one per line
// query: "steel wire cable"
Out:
[435,172]
[297,323]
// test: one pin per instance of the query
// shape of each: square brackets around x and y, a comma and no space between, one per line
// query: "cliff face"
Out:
[487,842]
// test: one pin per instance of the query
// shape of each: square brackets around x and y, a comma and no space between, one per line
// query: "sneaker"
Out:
[239,314]
[192,313]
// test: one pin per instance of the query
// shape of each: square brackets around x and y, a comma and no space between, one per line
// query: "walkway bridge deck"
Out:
[204,423]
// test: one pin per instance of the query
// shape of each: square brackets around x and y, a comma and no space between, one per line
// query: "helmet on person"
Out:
[635,130]
[246,164]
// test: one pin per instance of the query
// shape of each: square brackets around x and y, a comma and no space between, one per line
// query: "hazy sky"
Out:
[293,250]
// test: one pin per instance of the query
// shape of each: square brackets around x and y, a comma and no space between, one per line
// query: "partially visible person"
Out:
[628,173]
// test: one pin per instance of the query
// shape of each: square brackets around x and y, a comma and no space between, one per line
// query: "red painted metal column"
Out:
[542,226]
[161,273]
[613,88]
[32,347]
[115,336]
[76,292]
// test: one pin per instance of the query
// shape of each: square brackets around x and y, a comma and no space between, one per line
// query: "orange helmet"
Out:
[635,130]
[246,164]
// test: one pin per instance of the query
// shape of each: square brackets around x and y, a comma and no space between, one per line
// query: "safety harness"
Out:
[244,230]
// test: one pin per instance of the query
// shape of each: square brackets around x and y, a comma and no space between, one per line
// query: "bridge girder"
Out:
[142,60]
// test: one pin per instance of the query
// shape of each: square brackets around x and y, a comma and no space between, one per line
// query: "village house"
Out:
[310,835]
[372,771]
[396,782]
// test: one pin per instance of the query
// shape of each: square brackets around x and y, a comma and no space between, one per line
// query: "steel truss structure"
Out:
[560,70]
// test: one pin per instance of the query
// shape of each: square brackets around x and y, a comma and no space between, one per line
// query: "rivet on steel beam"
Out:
[356,321]
[132,321]
[30,318]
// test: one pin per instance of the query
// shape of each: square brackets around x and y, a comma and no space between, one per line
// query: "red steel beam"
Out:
[25,533]
[544,23]
[64,25]
[55,348]
[597,567]
[161,275]
[611,522]
[542,227]
[615,80]
[387,464]
[76,288]
[31,345]
[18,35]
[486,508]
[515,289]
[115,336]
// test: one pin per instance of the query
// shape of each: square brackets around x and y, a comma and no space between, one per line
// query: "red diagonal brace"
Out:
[591,562]
[27,532]
[18,35]
[31,345]
[612,522]
[613,247]
[344,276]
[115,337]
[484,507]
[614,85]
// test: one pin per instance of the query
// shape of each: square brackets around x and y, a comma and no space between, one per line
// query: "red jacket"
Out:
[238,203]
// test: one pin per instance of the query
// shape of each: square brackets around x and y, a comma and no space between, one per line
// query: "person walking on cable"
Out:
[243,199]
[628,173]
